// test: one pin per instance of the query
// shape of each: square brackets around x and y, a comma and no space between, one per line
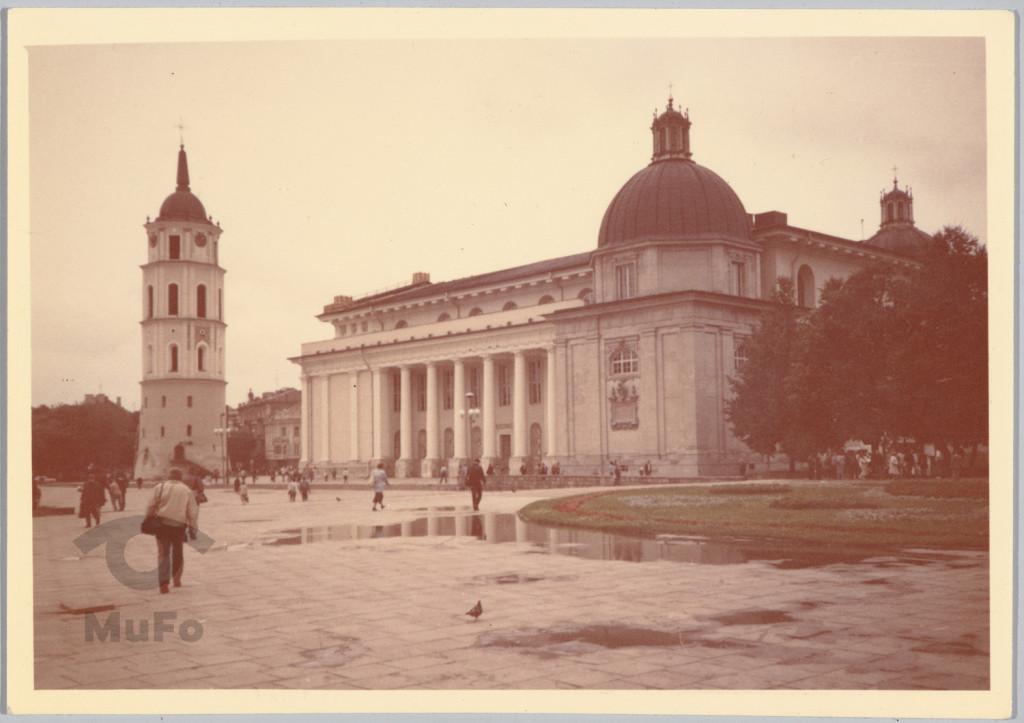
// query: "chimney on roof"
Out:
[421,277]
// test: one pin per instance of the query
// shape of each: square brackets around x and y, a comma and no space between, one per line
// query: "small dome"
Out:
[671,199]
[182,206]
[904,239]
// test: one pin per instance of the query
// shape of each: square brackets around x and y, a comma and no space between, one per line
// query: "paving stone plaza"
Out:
[328,594]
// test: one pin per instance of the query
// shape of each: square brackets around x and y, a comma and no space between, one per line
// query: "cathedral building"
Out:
[183,387]
[623,352]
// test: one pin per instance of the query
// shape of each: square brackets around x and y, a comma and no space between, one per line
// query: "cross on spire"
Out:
[181,132]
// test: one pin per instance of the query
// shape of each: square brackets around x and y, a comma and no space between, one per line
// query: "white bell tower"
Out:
[183,329]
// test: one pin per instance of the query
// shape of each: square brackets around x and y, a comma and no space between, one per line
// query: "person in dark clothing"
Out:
[475,479]
[93,498]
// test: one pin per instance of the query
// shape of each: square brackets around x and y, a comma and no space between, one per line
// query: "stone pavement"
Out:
[354,612]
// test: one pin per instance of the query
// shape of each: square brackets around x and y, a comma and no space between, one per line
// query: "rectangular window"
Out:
[189,401]
[504,385]
[474,385]
[284,431]
[625,281]
[535,381]
[296,432]
[163,401]
[188,430]
[738,282]
[396,391]
[447,389]
[175,250]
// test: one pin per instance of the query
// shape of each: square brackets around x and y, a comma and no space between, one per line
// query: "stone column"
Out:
[459,420]
[431,466]
[323,420]
[353,416]
[520,434]
[407,466]
[487,412]
[307,423]
[551,412]
[378,415]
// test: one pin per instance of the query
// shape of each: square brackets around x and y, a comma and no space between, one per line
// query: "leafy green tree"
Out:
[68,438]
[761,409]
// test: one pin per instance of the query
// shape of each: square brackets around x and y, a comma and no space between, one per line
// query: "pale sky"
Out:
[341,167]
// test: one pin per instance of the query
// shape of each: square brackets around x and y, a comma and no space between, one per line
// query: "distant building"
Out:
[183,330]
[100,399]
[624,352]
[274,420]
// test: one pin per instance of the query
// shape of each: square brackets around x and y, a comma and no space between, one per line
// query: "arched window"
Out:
[201,301]
[625,361]
[172,299]
[175,248]
[149,301]
[739,356]
[901,212]
[220,305]
[174,358]
[421,444]
[449,443]
[509,305]
[805,288]
[587,295]
[201,358]
[546,300]
[477,311]
[401,324]
[188,430]
[444,317]
[398,445]
[536,443]
[889,213]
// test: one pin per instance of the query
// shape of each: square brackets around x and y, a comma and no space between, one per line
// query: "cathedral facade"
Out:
[183,388]
[623,352]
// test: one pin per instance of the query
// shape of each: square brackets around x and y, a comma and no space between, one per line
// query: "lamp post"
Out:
[223,431]
[470,413]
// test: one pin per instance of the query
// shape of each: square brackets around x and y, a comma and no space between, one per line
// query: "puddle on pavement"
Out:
[605,636]
[754,617]
[498,528]
[332,656]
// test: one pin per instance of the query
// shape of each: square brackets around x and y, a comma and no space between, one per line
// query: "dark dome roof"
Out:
[182,206]
[902,238]
[673,198]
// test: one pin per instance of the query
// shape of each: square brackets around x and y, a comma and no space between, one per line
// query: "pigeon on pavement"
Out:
[477,610]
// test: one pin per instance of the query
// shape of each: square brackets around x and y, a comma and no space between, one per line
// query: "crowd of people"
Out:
[905,462]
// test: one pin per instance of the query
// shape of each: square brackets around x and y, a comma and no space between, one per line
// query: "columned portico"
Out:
[353,416]
[378,417]
[551,411]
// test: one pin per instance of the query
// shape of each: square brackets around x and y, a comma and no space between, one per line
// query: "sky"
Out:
[344,166]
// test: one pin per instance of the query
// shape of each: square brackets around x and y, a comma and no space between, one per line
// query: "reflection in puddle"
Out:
[495,528]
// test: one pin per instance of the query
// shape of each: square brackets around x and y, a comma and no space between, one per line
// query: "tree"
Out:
[888,354]
[67,439]
[761,409]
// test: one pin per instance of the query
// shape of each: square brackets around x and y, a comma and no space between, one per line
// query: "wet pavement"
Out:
[328,594]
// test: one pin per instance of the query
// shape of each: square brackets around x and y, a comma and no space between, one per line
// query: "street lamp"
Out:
[470,413]
[223,431]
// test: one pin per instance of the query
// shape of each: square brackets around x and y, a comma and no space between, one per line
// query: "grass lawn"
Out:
[835,515]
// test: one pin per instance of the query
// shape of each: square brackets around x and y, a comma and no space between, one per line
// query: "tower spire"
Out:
[182,170]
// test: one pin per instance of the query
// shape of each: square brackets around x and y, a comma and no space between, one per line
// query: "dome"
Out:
[671,199]
[182,205]
[903,239]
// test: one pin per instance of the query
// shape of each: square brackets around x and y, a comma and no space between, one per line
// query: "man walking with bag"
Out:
[174,506]
[475,480]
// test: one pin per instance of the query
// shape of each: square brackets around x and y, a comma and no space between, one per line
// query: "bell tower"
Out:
[183,330]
